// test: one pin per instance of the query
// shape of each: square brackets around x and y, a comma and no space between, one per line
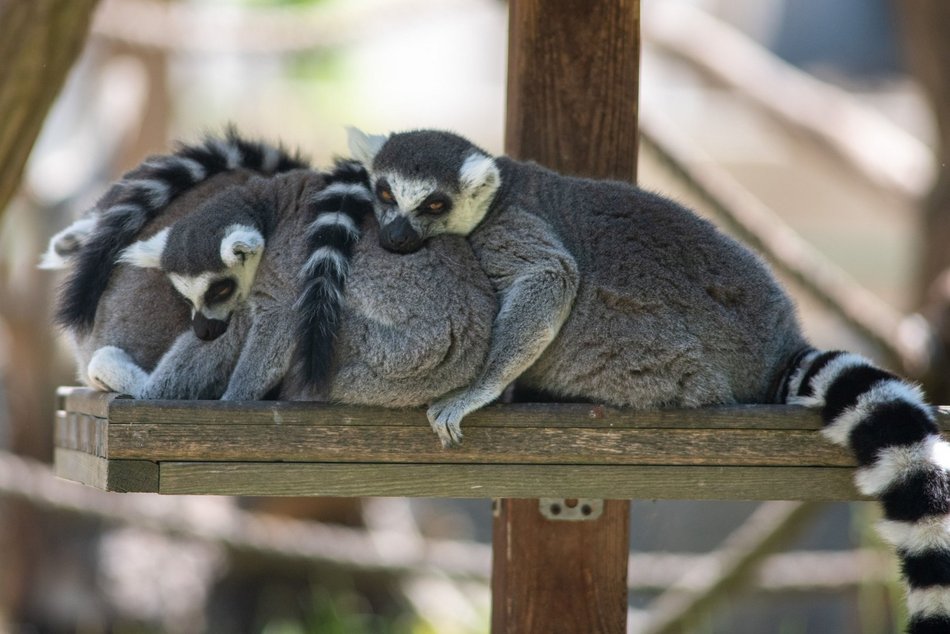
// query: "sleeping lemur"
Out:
[144,202]
[621,296]
[236,254]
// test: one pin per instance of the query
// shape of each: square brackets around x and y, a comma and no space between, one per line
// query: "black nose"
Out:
[399,237]
[208,329]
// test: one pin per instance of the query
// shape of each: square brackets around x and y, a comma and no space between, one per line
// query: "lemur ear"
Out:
[239,243]
[146,254]
[479,170]
[364,147]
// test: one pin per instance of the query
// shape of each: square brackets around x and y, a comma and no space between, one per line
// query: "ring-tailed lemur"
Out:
[619,295]
[139,197]
[140,300]
[389,351]
[217,260]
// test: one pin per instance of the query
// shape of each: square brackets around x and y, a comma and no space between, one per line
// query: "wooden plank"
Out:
[341,443]
[109,475]
[481,481]
[90,402]
[581,582]
[120,409]
[508,415]
[73,430]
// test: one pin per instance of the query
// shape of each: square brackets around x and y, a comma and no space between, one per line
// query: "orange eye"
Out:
[386,196]
[436,206]
[220,291]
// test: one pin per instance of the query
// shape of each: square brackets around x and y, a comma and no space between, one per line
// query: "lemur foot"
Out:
[446,414]
[111,369]
[445,417]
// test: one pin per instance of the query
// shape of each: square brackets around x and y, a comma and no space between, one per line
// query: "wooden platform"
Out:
[526,450]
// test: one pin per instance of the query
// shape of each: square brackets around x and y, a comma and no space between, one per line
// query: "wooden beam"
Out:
[573,77]
[548,434]
[504,480]
[124,476]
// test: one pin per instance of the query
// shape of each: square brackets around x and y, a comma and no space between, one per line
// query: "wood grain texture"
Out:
[73,430]
[123,410]
[541,434]
[573,71]
[523,450]
[508,415]
[509,445]
[89,402]
[484,481]
[581,581]
[123,476]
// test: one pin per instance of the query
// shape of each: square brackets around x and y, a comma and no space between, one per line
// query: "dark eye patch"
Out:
[220,291]
[384,193]
[435,204]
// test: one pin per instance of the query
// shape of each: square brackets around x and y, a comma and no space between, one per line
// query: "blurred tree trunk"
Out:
[39,41]
[925,25]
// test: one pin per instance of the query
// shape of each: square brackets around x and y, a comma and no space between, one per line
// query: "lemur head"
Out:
[210,260]
[426,183]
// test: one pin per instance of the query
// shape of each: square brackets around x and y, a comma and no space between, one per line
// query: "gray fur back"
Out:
[669,311]
[414,326]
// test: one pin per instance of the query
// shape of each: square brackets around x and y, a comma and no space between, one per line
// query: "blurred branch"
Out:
[868,315]
[240,531]
[434,595]
[392,550]
[795,571]
[715,575]
[39,41]
[188,28]
[883,153]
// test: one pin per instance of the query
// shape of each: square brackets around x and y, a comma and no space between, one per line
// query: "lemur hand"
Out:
[446,414]
[111,369]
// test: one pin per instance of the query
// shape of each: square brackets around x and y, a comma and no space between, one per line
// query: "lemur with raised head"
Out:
[622,296]
[256,288]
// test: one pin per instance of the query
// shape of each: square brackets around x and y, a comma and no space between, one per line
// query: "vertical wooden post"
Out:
[573,71]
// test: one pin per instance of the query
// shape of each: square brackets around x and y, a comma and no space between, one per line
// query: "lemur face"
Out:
[426,183]
[214,285]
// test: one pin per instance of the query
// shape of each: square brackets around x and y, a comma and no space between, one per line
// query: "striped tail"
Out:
[338,209]
[141,195]
[903,463]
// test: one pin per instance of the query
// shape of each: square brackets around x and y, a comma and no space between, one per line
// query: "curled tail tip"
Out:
[314,355]
[52,261]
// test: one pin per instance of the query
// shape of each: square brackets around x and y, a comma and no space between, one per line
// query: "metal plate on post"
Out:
[571,509]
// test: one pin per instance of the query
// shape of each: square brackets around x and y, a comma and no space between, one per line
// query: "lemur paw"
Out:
[111,369]
[446,420]
[446,414]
